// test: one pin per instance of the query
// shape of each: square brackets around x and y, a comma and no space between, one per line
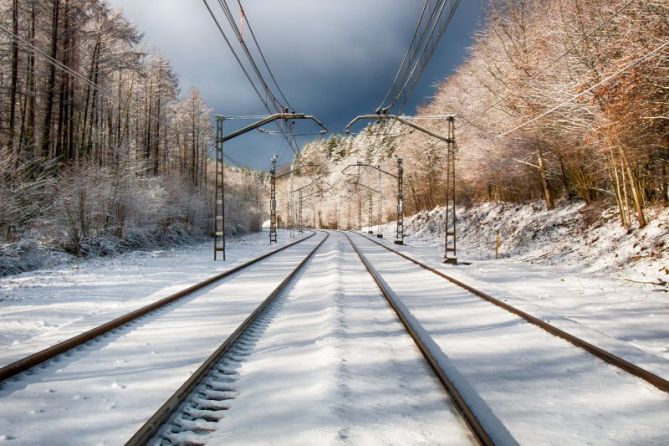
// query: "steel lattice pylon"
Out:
[219,193]
[450,247]
[369,215]
[272,203]
[399,234]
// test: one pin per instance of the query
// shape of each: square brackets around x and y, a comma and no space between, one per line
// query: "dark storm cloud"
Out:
[333,58]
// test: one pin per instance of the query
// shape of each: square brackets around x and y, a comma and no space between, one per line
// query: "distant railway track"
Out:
[205,391]
[600,353]
[23,365]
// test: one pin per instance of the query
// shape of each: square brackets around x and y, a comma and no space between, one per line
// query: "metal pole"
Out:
[450,247]
[371,207]
[380,216]
[359,212]
[336,213]
[272,203]
[291,210]
[299,218]
[219,194]
[399,234]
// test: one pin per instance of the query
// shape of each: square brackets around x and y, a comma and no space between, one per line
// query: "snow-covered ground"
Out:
[332,364]
[541,388]
[42,307]
[593,291]
[102,392]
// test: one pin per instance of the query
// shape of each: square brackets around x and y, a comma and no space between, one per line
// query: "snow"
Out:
[103,391]
[334,365]
[42,307]
[543,389]
[329,362]
[562,236]
[582,294]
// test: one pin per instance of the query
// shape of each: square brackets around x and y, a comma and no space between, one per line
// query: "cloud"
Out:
[333,59]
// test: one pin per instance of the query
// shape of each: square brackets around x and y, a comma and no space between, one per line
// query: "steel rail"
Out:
[600,353]
[163,414]
[473,422]
[35,359]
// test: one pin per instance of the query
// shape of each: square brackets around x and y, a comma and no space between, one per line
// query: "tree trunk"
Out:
[15,78]
[45,141]
[548,196]
[634,186]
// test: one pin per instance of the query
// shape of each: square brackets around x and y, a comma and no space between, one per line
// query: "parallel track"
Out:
[149,430]
[421,340]
[600,353]
[49,353]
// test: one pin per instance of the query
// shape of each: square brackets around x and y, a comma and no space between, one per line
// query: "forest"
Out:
[99,150]
[559,100]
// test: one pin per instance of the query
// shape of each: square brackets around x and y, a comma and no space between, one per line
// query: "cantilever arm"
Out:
[366,165]
[297,168]
[381,117]
[271,118]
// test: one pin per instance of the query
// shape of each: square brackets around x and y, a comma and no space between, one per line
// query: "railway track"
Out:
[193,411]
[23,365]
[200,401]
[600,353]
[432,355]
[204,395]
[496,364]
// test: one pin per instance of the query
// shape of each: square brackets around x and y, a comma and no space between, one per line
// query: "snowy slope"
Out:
[562,236]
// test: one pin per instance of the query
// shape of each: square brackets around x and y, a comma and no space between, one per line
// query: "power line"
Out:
[421,49]
[234,53]
[269,98]
[426,53]
[241,8]
[405,59]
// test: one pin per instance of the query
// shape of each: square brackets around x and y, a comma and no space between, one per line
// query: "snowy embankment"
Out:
[37,251]
[590,239]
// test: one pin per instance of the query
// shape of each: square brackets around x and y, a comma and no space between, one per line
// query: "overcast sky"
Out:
[333,58]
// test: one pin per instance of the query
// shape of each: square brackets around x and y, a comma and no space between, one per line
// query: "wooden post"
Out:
[497,243]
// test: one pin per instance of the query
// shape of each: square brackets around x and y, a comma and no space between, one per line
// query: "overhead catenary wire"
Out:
[405,59]
[426,55]
[421,49]
[268,99]
[262,55]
